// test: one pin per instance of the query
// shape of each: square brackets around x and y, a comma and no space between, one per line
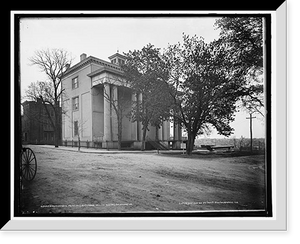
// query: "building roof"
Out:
[106,69]
[111,67]
[117,55]
[32,101]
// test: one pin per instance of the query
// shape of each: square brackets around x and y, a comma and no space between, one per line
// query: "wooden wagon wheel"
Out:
[28,164]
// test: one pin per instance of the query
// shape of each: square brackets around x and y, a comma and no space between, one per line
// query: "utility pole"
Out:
[251,117]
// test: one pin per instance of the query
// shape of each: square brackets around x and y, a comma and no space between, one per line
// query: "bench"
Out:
[214,147]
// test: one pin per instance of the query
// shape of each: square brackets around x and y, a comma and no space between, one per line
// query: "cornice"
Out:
[117,55]
[106,69]
[112,67]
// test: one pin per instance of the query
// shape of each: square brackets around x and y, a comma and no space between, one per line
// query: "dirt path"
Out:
[77,182]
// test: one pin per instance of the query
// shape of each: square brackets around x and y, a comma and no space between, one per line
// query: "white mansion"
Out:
[89,115]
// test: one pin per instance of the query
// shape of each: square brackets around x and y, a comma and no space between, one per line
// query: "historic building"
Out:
[90,86]
[36,124]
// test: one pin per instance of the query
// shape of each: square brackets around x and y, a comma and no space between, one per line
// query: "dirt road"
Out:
[79,182]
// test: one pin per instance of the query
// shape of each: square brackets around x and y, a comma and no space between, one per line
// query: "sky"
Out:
[102,37]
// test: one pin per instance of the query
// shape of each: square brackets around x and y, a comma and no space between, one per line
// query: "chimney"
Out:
[82,56]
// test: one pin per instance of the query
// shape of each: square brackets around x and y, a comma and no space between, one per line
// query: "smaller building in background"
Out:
[36,124]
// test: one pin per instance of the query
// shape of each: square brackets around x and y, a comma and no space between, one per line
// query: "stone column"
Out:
[178,132]
[177,135]
[107,113]
[134,124]
[166,130]
[175,131]
[114,97]
[161,132]
[140,126]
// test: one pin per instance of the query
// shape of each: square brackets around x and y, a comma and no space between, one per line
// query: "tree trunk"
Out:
[251,147]
[144,138]
[78,142]
[190,143]
[57,126]
[56,136]
[119,133]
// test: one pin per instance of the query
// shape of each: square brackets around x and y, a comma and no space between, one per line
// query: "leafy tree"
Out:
[242,37]
[146,73]
[203,93]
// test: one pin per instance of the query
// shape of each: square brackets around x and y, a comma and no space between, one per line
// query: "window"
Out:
[75,103]
[75,128]
[121,61]
[75,83]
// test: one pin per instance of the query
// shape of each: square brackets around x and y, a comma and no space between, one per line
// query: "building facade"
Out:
[92,88]
[36,124]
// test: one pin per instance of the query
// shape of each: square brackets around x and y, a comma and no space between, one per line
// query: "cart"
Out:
[28,164]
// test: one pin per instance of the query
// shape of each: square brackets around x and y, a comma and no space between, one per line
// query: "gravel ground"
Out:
[79,182]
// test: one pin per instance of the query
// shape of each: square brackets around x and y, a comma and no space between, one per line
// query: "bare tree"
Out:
[53,63]
[42,91]
[79,127]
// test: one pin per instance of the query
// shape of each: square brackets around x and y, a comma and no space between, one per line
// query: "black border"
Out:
[269,206]
[18,123]
[230,5]
[267,213]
